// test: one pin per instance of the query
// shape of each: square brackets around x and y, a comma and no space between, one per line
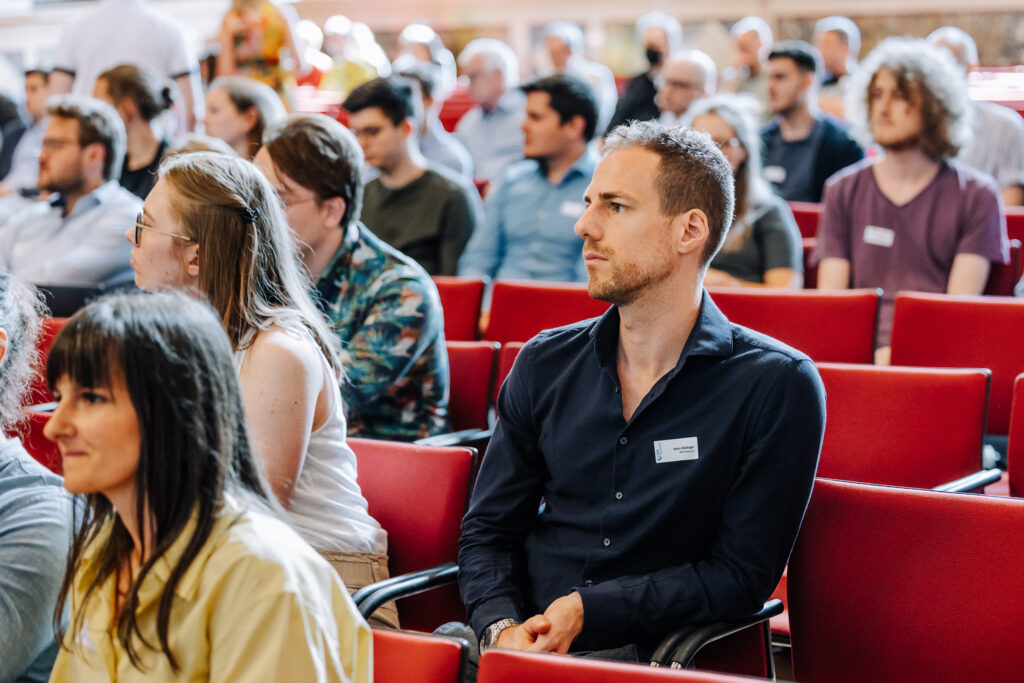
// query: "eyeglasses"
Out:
[731,142]
[53,144]
[140,226]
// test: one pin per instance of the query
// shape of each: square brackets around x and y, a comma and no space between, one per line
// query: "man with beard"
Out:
[527,234]
[76,235]
[671,453]
[802,147]
[915,218]
[661,36]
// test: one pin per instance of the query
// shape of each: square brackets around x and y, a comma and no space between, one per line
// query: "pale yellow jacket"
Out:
[256,604]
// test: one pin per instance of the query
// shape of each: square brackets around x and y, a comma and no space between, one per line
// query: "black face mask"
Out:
[653,56]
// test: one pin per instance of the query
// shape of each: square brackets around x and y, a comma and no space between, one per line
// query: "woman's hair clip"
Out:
[249,214]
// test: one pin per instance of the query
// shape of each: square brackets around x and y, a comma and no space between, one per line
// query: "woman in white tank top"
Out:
[214,225]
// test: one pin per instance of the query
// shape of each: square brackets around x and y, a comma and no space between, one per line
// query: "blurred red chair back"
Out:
[1015,447]
[892,584]
[506,359]
[918,427]
[38,391]
[38,446]
[937,330]
[453,109]
[471,368]
[460,299]
[1015,222]
[400,657]
[418,495]
[807,215]
[1003,277]
[511,666]
[829,326]
[519,310]
[810,272]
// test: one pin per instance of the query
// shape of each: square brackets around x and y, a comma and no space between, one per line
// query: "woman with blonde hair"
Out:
[214,225]
[238,110]
[763,247]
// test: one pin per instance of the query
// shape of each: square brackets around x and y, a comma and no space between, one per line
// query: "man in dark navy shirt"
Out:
[670,453]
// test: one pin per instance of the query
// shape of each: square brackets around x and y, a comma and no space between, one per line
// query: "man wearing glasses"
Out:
[686,77]
[75,236]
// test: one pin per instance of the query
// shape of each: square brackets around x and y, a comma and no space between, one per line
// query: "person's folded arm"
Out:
[503,508]
[761,516]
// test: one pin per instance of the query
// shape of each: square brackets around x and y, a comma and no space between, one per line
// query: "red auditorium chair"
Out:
[1015,446]
[1015,222]
[937,330]
[461,298]
[1004,276]
[506,359]
[829,326]
[400,657]
[810,272]
[511,666]
[471,367]
[38,391]
[520,309]
[892,584]
[453,108]
[418,495]
[37,445]
[807,215]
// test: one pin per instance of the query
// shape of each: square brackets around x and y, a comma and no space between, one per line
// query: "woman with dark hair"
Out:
[214,225]
[762,248]
[139,95]
[238,110]
[181,568]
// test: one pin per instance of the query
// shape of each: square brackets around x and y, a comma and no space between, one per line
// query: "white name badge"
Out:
[774,174]
[572,209]
[674,450]
[880,237]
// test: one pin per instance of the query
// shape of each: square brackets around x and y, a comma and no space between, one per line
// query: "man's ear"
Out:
[408,127]
[94,154]
[3,346]
[576,125]
[692,231]
[332,210]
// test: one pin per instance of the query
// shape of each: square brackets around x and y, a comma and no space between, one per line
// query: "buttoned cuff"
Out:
[490,611]
[605,612]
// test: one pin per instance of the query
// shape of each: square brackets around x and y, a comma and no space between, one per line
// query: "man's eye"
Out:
[615,207]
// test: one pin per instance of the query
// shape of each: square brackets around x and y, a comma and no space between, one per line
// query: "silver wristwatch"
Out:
[492,632]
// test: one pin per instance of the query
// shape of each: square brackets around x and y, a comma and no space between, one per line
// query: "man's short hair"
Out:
[845,28]
[98,122]
[397,97]
[804,55]
[670,25]
[918,67]
[496,56]
[323,156]
[569,33]
[693,174]
[426,75]
[703,62]
[570,96]
[961,41]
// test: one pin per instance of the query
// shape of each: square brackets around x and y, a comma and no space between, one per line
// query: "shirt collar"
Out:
[711,334]
[101,195]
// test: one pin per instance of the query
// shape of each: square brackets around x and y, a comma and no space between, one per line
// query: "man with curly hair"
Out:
[912,218]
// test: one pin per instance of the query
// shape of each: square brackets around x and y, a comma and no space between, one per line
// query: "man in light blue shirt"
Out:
[76,236]
[491,131]
[35,510]
[528,231]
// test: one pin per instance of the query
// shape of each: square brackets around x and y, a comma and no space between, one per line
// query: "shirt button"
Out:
[623,440]
[607,542]
[618,495]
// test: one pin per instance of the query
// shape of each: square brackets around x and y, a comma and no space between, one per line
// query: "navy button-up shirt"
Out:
[685,514]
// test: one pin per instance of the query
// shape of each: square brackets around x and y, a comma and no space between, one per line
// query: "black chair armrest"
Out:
[464,437]
[369,598]
[678,649]
[972,482]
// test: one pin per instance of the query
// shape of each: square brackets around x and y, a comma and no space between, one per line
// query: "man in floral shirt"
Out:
[383,305]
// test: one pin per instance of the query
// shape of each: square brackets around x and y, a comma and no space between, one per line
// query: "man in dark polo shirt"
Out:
[649,468]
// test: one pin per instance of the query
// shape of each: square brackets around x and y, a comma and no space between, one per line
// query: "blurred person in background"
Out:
[564,47]
[763,246]
[309,38]
[352,66]
[438,145]
[19,153]
[752,41]
[661,35]
[257,41]
[139,95]
[997,146]
[420,43]
[238,111]
[686,77]
[838,41]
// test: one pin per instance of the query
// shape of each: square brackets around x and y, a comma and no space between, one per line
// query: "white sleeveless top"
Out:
[327,508]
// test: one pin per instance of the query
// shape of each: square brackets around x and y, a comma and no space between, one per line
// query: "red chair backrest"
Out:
[38,391]
[519,310]
[810,272]
[418,495]
[902,426]
[453,109]
[1015,222]
[1004,276]
[400,657]
[807,215]
[1015,447]
[936,330]
[893,584]
[506,359]
[511,666]
[460,299]
[37,445]
[471,367]
[829,326]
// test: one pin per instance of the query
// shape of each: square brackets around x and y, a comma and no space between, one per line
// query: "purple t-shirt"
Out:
[909,247]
